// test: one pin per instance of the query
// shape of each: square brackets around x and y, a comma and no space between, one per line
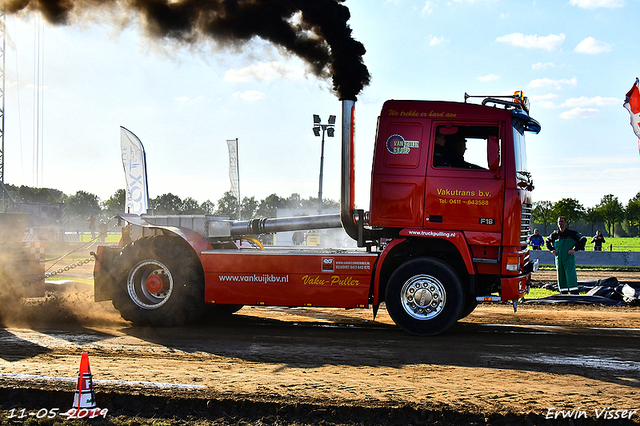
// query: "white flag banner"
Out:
[135,172]
[234,176]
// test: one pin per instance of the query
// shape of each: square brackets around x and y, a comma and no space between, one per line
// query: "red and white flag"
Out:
[632,104]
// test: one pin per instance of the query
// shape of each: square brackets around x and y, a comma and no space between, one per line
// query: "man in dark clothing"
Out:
[439,153]
[597,241]
[563,243]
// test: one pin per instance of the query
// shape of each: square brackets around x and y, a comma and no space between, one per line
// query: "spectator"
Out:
[536,240]
[92,226]
[597,241]
[563,243]
[103,231]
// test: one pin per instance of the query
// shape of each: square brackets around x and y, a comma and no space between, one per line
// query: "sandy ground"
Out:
[333,374]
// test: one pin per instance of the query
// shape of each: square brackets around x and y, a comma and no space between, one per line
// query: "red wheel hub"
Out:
[156,283]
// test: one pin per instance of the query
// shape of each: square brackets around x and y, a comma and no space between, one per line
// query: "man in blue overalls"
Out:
[563,243]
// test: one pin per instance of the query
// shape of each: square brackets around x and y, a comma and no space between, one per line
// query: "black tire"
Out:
[470,304]
[441,296]
[170,263]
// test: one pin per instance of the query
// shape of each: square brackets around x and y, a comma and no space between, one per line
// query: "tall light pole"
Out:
[329,128]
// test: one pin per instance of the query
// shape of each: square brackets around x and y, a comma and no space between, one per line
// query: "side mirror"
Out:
[493,153]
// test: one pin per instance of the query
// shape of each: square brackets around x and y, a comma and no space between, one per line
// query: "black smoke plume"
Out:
[321,37]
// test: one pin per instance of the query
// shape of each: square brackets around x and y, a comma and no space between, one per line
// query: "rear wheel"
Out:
[424,296]
[158,281]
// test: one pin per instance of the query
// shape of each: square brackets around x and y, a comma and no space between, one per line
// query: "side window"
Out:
[462,147]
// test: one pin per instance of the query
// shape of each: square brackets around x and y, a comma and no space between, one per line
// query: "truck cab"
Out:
[450,178]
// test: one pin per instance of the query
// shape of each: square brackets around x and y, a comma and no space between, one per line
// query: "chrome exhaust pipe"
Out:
[284,224]
[347,200]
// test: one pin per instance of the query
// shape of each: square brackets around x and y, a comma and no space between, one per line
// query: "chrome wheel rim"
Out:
[137,289]
[423,297]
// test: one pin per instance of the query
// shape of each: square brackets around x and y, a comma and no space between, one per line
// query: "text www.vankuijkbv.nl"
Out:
[254,278]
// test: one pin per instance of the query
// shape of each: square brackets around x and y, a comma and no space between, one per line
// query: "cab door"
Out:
[463,191]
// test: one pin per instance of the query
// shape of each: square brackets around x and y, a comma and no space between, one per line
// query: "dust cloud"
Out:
[54,302]
[64,306]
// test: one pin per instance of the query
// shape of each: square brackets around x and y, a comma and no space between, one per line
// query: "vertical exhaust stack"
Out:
[347,203]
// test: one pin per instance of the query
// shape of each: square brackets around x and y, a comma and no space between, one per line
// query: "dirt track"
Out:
[315,366]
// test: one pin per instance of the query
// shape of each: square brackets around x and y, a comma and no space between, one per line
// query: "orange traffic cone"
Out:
[84,400]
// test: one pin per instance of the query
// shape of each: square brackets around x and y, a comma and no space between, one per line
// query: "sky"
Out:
[574,59]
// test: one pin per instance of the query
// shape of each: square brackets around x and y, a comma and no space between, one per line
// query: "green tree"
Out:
[268,206]
[570,208]
[312,203]
[611,210]
[249,207]
[82,204]
[208,207]
[593,216]
[294,201]
[166,204]
[328,203]
[632,212]
[116,203]
[228,206]
[37,195]
[191,206]
[543,213]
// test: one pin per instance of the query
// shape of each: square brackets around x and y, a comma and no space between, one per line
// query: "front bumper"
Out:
[514,288]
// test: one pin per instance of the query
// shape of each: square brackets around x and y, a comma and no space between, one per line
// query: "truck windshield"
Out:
[520,150]
[522,123]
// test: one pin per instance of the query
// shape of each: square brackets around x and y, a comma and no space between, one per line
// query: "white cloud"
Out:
[593,4]
[584,101]
[544,82]
[546,97]
[428,7]
[592,46]
[489,77]
[547,101]
[185,99]
[436,41]
[264,71]
[543,65]
[544,101]
[578,112]
[250,95]
[550,42]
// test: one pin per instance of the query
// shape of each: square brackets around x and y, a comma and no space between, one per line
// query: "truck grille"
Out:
[525,223]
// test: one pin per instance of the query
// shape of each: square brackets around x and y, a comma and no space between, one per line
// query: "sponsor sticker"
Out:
[396,144]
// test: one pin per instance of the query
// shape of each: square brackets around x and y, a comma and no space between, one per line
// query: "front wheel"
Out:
[158,281]
[424,296]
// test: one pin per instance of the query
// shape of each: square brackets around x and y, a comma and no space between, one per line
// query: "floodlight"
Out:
[316,119]
[330,131]
[332,119]
[316,131]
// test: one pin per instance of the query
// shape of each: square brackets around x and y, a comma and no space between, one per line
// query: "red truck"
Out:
[449,217]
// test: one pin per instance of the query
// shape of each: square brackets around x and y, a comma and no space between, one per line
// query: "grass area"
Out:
[616,244]
[111,238]
[537,293]
[619,244]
